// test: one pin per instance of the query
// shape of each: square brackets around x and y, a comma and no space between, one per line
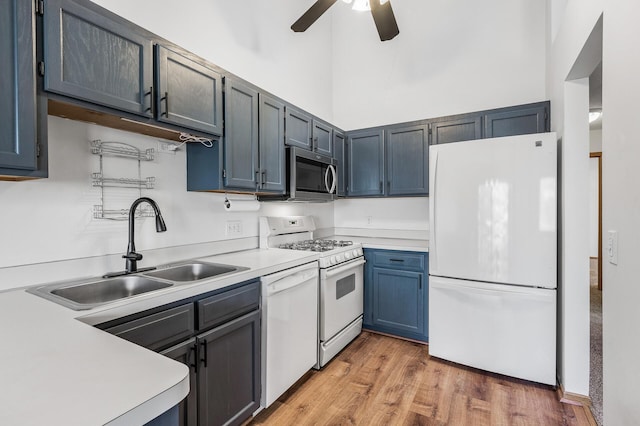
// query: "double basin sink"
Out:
[88,293]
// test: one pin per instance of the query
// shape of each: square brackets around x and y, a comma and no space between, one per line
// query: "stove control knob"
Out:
[340,258]
[333,260]
[355,253]
[347,255]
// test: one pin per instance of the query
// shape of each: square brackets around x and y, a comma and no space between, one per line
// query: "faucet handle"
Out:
[132,255]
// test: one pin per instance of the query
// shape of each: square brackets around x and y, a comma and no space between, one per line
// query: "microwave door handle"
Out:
[334,179]
[326,179]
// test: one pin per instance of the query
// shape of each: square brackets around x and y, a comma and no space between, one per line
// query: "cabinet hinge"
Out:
[41,68]
[224,173]
[39,7]
[430,132]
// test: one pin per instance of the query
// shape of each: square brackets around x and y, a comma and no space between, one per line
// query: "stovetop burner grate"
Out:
[316,245]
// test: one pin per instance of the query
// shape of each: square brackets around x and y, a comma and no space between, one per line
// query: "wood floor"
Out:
[379,380]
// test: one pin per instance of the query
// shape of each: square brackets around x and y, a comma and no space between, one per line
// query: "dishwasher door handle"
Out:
[289,282]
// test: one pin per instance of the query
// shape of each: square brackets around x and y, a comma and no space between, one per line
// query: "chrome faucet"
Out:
[132,257]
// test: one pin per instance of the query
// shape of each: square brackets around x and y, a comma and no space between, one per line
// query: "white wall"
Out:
[621,204]
[403,214]
[450,57]
[250,38]
[569,112]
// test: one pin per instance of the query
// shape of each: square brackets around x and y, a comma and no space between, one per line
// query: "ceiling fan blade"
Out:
[312,15]
[385,20]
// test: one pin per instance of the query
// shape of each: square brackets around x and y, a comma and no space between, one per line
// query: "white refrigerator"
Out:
[493,255]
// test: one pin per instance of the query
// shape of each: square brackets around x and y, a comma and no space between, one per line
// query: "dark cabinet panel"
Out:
[298,126]
[186,353]
[241,136]
[339,154]
[229,375]
[23,120]
[365,151]
[456,130]
[407,160]
[517,121]
[322,138]
[272,156]
[188,93]
[396,294]
[91,57]
[223,307]
[159,330]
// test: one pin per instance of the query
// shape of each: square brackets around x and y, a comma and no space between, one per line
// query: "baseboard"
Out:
[572,398]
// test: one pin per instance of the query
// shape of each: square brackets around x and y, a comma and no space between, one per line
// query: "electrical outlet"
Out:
[234,227]
[369,220]
[167,147]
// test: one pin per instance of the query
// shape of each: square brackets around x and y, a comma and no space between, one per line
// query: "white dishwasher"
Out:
[289,328]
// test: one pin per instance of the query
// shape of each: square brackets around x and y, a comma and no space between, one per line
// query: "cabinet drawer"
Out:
[223,307]
[158,331]
[399,260]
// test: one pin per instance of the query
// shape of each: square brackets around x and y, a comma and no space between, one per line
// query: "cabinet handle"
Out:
[193,350]
[396,260]
[150,94]
[388,187]
[381,187]
[166,104]
[419,282]
[264,177]
[204,350]
[258,181]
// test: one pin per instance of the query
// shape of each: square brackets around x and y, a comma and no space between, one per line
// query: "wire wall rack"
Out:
[107,182]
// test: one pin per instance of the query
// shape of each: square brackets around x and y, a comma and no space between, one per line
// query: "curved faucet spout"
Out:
[132,257]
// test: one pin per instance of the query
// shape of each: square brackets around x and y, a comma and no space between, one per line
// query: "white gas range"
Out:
[341,286]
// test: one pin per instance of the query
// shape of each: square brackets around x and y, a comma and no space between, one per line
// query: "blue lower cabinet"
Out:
[397,293]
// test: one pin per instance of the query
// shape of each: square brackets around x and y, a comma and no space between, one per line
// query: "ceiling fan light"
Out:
[383,2]
[347,1]
[594,115]
[361,5]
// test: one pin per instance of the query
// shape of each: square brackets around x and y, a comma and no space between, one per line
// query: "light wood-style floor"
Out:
[380,380]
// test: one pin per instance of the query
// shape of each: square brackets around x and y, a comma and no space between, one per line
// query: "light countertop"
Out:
[387,243]
[57,369]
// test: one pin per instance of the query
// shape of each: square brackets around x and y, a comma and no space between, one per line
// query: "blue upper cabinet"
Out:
[298,128]
[365,152]
[322,138]
[23,119]
[189,94]
[272,160]
[520,120]
[407,160]
[96,59]
[241,169]
[339,155]
[456,129]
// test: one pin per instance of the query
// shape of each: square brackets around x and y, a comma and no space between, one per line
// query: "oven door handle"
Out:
[344,267]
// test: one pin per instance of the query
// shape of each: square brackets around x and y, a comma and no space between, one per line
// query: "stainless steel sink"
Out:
[89,294]
[193,271]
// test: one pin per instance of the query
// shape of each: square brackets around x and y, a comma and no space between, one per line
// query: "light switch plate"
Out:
[612,247]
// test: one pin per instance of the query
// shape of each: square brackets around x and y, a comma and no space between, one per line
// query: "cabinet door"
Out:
[398,302]
[407,160]
[18,110]
[365,154]
[241,136]
[272,160]
[229,372]
[297,128]
[457,130]
[186,353]
[188,93]
[341,161]
[516,121]
[322,138]
[91,57]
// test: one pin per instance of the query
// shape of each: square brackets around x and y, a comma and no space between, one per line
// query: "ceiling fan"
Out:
[380,10]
